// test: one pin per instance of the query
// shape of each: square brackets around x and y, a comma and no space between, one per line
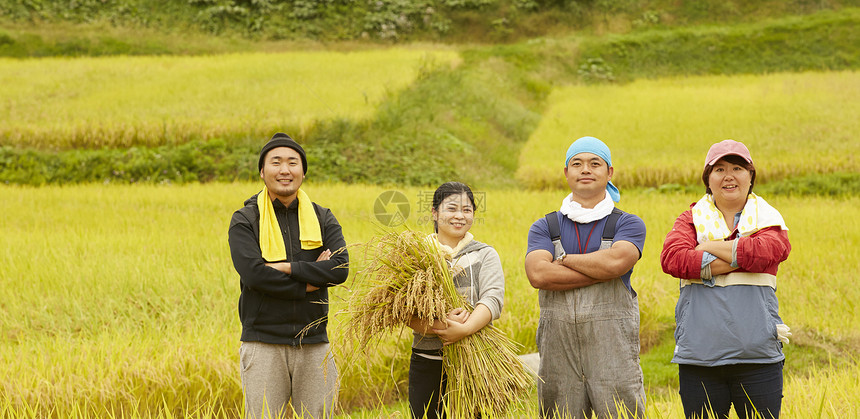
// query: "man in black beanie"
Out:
[287,250]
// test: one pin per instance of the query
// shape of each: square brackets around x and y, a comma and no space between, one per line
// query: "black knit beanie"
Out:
[283,140]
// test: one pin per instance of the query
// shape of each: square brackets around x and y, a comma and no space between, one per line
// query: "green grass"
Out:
[123,297]
[659,130]
[824,41]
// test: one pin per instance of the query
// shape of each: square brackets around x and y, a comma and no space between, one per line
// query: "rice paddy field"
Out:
[121,300]
[659,130]
[60,103]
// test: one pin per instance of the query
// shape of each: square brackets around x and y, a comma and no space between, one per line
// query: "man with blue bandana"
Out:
[581,258]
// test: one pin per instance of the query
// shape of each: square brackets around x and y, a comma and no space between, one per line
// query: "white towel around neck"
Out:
[576,213]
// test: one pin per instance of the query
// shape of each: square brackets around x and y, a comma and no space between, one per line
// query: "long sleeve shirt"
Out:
[274,307]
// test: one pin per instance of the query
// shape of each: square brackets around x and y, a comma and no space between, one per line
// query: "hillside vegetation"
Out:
[482,110]
[375,20]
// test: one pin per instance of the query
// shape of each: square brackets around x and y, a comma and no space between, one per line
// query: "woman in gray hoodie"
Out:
[481,282]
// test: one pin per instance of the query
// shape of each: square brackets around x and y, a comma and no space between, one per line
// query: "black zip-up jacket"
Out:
[273,306]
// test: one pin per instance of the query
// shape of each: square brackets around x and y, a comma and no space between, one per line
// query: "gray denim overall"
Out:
[588,339]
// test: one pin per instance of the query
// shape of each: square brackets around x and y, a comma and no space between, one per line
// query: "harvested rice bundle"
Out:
[408,275]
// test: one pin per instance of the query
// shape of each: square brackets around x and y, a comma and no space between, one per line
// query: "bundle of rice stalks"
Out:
[407,275]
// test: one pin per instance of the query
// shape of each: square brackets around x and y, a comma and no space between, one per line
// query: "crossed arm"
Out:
[287,280]
[723,251]
[581,270]
[286,268]
[681,256]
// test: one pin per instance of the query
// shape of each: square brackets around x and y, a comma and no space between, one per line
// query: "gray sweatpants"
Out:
[281,379]
[588,339]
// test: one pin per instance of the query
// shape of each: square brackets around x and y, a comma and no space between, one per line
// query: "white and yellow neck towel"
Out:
[272,241]
[446,250]
[756,215]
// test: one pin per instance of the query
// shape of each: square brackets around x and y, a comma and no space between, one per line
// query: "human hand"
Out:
[453,333]
[783,333]
[459,315]
[310,288]
[325,255]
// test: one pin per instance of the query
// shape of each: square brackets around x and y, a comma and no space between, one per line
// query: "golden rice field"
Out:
[121,300]
[660,130]
[123,101]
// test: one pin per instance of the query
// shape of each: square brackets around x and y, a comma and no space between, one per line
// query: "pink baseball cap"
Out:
[727,148]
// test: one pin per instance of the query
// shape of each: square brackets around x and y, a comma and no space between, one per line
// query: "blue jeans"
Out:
[752,388]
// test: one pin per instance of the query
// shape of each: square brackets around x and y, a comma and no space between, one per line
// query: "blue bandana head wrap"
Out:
[598,148]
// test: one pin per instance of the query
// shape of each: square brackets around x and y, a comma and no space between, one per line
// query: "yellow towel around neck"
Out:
[272,241]
[756,215]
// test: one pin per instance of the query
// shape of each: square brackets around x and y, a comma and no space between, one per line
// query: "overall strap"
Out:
[552,222]
[608,229]
[555,234]
[611,221]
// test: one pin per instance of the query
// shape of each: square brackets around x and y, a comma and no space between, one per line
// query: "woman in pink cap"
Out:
[726,250]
